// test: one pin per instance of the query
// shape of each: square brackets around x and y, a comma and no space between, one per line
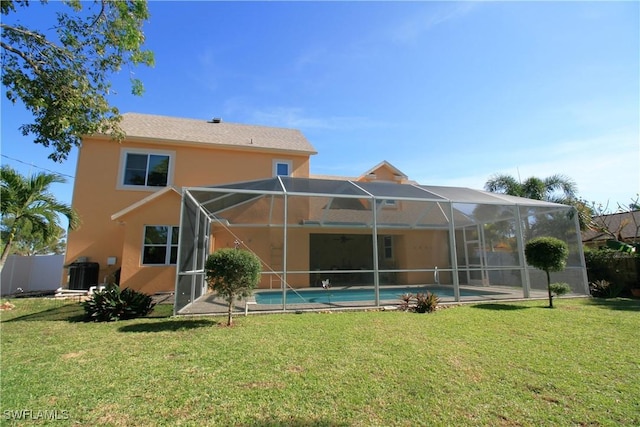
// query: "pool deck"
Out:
[211,305]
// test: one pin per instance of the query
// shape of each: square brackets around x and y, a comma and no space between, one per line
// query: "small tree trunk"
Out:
[549,289]
[5,250]
[229,318]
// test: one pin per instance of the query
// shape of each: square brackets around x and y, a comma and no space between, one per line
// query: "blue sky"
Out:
[450,93]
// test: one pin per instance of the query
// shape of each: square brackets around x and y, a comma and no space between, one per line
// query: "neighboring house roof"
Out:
[623,225]
[230,135]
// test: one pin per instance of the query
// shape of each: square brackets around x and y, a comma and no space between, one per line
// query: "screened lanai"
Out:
[341,244]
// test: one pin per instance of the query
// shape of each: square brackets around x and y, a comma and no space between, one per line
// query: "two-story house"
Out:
[128,194]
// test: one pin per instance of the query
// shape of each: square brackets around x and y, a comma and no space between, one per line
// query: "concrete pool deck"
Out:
[210,305]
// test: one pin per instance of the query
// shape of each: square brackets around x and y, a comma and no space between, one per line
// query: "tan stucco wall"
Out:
[148,278]
[96,198]
[420,250]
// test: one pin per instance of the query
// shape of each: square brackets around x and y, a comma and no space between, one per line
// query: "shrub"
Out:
[560,288]
[406,299]
[604,289]
[232,274]
[420,303]
[113,304]
[620,268]
[547,254]
[426,303]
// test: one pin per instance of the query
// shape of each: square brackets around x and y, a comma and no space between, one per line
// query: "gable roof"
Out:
[231,135]
[399,175]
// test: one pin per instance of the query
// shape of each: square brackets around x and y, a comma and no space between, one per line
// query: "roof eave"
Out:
[200,144]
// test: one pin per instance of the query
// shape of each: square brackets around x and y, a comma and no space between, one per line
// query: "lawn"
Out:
[505,364]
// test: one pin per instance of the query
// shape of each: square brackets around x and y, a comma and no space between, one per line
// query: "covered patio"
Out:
[369,242]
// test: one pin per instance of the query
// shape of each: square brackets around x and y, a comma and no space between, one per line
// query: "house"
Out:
[155,205]
[128,194]
[622,226]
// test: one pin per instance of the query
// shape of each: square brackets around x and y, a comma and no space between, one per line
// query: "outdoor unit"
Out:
[83,275]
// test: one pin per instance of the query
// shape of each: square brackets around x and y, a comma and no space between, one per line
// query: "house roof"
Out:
[230,135]
[624,225]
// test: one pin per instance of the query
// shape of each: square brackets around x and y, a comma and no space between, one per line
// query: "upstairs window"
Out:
[146,169]
[160,245]
[281,168]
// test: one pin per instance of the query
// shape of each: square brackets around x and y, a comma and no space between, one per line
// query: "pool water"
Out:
[325,296]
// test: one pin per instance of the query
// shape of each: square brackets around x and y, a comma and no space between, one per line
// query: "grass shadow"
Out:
[66,312]
[500,307]
[160,311]
[624,304]
[168,325]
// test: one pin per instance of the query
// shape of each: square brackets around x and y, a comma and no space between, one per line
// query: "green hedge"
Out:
[619,268]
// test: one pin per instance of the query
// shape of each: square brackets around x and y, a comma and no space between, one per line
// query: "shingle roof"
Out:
[151,127]
[624,225]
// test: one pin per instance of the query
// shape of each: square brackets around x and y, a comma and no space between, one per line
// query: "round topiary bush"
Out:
[232,274]
[548,254]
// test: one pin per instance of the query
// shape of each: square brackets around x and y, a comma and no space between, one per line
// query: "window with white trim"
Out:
[144,169]
[282,168]
[160,245]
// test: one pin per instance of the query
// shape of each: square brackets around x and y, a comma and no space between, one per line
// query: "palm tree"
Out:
[556,188]
[27,202]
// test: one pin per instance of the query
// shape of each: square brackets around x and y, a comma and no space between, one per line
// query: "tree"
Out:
[28,242]
[547,254]
[556,188]
[27,203]
[62,75]
[232,274]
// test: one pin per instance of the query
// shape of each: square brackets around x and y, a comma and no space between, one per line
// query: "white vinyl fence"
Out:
[31,274]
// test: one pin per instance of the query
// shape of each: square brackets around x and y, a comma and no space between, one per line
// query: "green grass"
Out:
[509,364]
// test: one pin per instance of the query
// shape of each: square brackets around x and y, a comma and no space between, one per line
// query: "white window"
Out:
[282,168]
[145,169]
[160,245]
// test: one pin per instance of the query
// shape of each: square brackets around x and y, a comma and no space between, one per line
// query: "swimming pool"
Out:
[327,296]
